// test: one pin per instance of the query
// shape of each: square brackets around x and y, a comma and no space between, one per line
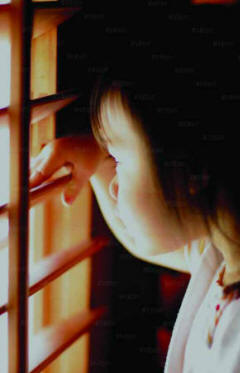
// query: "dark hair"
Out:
[181,97]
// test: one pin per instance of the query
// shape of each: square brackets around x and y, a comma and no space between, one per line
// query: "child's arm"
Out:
[87,161]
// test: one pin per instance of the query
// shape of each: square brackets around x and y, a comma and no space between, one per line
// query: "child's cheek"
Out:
[132,206]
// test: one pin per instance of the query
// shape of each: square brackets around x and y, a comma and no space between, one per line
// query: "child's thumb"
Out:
[71,191]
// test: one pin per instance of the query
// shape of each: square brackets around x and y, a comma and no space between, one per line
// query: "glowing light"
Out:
[4,276]
[4,131]
[4,165]
[4,73]
[3,343]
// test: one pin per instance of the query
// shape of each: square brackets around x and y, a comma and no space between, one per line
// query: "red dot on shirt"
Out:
[217,307]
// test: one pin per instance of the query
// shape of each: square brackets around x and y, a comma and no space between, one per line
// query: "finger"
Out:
[44,166]
[35,162]
[36,178]
[72,190]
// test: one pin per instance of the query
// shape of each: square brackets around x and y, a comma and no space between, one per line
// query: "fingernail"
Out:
[67,200]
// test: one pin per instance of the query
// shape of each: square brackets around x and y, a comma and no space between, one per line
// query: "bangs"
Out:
[104,89]
[95,115]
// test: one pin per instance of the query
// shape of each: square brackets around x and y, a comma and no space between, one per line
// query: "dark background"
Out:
[143,298]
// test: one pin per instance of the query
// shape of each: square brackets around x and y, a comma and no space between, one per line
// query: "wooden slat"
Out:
[3,309]
[42,192]
[51,342]
[21,27]
[4,115]
[48,189]
[45,106]
[53,266]
[4,21]
[3,210]
[42,107]
[47,15]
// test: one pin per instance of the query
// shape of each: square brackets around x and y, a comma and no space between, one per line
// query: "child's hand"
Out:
[80,154]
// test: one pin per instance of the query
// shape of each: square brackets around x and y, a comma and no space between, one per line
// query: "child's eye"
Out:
[117,163]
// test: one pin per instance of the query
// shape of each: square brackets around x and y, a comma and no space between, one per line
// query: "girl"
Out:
[161,164]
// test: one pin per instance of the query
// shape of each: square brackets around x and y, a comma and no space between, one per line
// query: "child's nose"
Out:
[113,188]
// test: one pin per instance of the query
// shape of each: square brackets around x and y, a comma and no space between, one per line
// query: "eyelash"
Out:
[117,163]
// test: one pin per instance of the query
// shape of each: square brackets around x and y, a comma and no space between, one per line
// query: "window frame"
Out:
[22,224]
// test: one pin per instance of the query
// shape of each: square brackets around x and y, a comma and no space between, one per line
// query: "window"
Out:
[4,191]
[59,237]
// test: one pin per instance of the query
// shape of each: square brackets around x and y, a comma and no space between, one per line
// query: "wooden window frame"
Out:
[33,25]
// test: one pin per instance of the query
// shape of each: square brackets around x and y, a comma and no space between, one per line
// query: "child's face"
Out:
[150,224]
